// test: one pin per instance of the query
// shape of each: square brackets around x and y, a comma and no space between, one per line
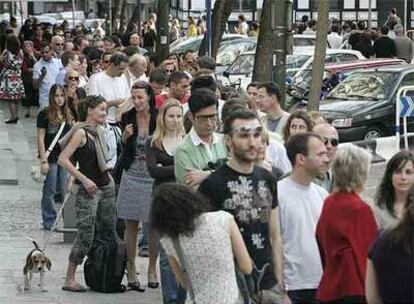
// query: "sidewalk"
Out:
[20,217]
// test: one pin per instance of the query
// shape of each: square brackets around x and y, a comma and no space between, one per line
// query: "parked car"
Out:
[241,70]
[363,105]
[334,73]
[184,44]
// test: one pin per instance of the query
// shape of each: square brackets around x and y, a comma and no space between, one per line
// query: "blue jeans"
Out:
[143,240]
[56,176]
[172,293]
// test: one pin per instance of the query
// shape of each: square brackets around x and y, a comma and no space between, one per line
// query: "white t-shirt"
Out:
[276,155]
[299,210]
[110,88]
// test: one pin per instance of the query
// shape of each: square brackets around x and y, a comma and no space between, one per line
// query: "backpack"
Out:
[105,267]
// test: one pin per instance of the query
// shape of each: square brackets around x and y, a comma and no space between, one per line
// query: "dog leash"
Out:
[55,223]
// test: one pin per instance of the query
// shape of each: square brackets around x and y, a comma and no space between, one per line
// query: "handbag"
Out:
[183,267]
[35,172]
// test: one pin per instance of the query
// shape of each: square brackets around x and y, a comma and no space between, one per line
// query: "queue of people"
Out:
[216,187]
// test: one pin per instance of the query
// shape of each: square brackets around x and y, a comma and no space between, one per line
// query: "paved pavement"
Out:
[20,217]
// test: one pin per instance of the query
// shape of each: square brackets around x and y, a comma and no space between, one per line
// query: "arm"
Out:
[371,286]
[277,247]
[175,267]
[78,139]
[44,165]
[239,248]
[156,171]
[182,162]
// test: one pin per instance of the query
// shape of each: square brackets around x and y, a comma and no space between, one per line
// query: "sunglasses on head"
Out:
[334,141]
[258,129]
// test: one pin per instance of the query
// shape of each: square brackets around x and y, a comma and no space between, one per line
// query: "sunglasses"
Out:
[169,71]
[73,78]
[248,130]
[106,61]
[334,141]
[59,44]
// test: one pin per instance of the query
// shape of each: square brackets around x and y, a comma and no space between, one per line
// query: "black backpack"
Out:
[105,266]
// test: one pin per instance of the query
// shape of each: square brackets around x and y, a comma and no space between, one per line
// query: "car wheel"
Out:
[373,133]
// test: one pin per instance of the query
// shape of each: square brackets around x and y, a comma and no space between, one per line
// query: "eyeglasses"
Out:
[205,118]
[73,78]
[334,141]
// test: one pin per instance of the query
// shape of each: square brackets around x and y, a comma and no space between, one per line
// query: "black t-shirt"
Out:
[51,131]
[361,41]
[249,198]
[384,47]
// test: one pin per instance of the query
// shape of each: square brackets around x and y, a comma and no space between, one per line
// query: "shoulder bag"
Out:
[183,267]
[35,171]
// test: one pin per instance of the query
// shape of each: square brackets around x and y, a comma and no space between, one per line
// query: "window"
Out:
[408,80]
[346,57]
[247,5]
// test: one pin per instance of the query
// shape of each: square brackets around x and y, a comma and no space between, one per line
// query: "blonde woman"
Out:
[160,162]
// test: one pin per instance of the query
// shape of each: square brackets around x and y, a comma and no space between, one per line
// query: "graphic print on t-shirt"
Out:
[248,205]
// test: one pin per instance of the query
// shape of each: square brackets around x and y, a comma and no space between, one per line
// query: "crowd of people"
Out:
[224,186]
[387,41]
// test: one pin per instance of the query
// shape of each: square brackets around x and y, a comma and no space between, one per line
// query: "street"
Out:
[20,217]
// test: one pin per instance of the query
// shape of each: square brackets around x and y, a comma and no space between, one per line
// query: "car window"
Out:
[301,41]
[408,80]
[365,86]
[243,65]
[228,52]
[346,57]
[296,61]
[329,59]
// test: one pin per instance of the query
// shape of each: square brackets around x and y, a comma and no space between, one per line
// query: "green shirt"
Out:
[192,153]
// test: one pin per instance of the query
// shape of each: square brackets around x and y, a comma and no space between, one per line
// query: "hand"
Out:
[129,131]
[72,90]
[44,168]
[286,300]
[195,177]
[43,72]
[116,102]
[90,186]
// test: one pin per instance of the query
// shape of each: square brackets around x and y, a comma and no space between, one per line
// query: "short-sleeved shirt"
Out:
[394,270]
[250,199]
[51,131]
[52,67]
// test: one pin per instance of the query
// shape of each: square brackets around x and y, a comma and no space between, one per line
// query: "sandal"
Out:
[135,286]
[78,288]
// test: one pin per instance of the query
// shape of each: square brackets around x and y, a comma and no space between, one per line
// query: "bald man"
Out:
[331,140]
[56,44]
[136,70]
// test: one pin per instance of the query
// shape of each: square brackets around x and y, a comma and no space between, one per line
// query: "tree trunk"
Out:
[163,39]
[122,20]
[220,15]
[318,64]
[115,14]
[262,70]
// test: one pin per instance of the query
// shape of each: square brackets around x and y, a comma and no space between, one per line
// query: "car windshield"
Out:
[363,86]
[242,65]
[296,61]
[228,52]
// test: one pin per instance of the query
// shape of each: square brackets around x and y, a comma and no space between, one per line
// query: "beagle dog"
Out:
[36,262]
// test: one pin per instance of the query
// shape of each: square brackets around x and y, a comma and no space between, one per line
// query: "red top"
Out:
[345,231]
[161,98]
